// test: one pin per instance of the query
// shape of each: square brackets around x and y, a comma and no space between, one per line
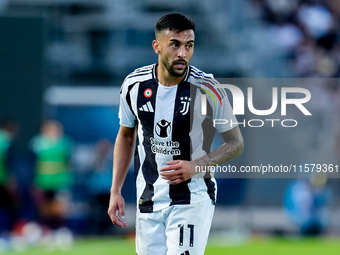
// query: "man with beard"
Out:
[175,202]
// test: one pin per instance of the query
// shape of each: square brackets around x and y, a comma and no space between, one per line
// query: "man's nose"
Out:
[182,52]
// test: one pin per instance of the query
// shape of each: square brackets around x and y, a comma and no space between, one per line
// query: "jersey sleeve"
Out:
[222,109]
[126,117]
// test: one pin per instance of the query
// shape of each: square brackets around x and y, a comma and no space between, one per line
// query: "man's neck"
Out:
[165,78]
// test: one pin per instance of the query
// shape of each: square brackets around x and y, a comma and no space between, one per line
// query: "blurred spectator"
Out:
[287,36]
[99,185]
[316,18]
[53,177]
[308,31]
[306,204]
[8,130]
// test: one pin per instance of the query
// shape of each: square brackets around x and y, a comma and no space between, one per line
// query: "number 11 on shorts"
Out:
[181,234]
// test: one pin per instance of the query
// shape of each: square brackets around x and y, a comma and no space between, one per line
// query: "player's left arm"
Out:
[178,171]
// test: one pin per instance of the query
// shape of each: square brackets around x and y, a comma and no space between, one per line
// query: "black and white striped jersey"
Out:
[170,126]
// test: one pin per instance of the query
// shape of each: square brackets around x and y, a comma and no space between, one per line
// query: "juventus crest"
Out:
[185,101]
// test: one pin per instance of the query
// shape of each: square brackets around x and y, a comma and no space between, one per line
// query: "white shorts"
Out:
[175,230]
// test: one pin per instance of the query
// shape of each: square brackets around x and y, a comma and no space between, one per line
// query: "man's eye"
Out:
[175,45]
[189,46]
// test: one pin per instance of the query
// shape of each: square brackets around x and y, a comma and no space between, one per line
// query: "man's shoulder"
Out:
[141,73]
[138,75]
[198,77]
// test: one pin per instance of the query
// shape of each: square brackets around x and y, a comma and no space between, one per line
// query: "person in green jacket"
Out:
[53,177]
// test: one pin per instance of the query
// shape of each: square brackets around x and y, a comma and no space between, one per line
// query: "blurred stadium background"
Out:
[66,59]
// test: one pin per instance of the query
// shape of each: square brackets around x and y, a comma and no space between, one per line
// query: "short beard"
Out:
[171,70]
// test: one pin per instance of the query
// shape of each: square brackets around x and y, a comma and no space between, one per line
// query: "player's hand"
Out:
[116,208]
[177,171]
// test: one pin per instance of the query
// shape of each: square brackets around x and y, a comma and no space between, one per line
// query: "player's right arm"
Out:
[123,152]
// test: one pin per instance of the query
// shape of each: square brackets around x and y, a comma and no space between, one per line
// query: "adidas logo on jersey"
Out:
[146,107]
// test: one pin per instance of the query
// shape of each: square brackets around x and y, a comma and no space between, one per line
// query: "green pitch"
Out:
[258,246]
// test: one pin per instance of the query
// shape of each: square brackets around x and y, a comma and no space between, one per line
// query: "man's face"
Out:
[175,50]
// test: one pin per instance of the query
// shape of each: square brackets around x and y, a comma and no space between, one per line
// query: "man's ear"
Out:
[156,47]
